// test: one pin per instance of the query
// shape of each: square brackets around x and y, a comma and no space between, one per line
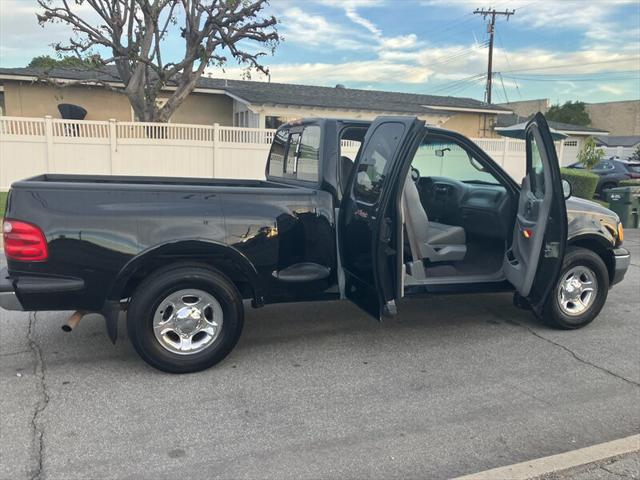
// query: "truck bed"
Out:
[124,182]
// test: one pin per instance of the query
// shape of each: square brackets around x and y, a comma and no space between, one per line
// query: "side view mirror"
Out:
[566,189]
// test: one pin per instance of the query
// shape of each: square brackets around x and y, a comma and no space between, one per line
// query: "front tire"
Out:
[185,318]
[580,292]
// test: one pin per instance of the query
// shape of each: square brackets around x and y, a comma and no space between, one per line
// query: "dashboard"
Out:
[480,208]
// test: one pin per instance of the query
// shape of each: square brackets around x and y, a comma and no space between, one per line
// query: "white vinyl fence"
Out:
[33,146]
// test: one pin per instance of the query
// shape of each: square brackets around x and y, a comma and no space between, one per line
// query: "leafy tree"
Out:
[635,157]
[589,155]
[66,61]
[136,33]
[571,112]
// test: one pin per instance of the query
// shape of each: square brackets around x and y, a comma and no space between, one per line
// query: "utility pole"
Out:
[491,29]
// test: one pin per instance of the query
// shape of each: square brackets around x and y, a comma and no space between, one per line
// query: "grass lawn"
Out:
[3,201]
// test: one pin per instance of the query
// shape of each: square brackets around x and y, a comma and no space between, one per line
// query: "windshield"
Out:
[445,158]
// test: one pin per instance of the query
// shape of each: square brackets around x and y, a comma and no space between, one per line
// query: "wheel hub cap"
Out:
[187,321]
[577,290]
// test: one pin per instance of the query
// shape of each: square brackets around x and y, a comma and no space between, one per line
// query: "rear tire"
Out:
[580,292]
[185,318]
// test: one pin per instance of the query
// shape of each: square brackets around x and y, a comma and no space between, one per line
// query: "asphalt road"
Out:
[459,384]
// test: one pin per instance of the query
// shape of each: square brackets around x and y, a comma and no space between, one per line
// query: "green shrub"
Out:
[634,182]
[3,202]
[583,183]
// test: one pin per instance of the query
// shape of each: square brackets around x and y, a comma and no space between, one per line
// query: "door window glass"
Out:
[537,167]
[376,161]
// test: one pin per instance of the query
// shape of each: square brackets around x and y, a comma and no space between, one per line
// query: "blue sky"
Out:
[585,50]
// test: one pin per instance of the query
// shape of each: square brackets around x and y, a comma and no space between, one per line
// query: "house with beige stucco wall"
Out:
[620,118]
[238,102]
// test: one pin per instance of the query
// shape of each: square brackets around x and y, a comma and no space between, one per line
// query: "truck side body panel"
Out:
[94,229]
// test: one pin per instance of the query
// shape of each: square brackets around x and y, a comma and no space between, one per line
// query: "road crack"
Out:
[37,429]
[566,349]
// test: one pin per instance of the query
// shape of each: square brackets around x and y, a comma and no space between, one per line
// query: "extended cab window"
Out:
[278,151]
[295,155]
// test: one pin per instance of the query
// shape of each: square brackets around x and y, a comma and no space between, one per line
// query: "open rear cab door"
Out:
[370,221]
[533,262]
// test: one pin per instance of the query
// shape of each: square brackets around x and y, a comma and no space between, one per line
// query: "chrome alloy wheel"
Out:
[577,290]
[188,321]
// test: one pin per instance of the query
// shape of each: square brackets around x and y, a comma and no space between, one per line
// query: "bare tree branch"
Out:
[135,32]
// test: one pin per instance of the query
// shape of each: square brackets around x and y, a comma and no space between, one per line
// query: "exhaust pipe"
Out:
[73,321]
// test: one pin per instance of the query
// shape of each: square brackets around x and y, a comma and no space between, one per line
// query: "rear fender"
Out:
[203,251]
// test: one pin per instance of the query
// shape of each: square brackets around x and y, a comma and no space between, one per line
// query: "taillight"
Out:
[24,242]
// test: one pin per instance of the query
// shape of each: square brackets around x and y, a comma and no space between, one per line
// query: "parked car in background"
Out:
[611,171]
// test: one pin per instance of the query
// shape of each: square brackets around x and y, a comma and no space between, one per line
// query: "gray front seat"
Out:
[433,241]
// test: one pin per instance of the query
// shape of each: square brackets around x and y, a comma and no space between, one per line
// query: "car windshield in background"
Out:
[633,167]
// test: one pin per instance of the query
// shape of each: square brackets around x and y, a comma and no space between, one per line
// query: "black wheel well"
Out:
[599,248]
[219,263]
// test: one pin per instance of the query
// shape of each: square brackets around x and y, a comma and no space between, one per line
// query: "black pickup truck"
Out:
[418,210]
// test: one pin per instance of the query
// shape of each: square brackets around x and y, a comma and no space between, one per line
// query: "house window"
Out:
[2,110]
[241,119]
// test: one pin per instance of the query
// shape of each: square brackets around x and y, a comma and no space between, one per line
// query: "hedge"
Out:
[583,183]
[634,182]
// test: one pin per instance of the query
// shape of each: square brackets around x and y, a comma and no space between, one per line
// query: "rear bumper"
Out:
[29,292]
[622,260]
[8,298]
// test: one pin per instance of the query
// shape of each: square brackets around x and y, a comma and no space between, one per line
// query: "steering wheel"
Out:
[415,174]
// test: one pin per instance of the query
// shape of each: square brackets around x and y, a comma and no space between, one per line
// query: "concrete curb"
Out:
[556,463]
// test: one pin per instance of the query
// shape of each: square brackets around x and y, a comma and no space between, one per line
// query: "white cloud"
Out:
[611,89]
[400,42]
[308,30]
[332,73]
[363,22]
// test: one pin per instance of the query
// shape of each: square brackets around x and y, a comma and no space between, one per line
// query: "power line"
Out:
[454,85]
[458,55]
[562,79]
[506,57]
[553,67]
[491,28]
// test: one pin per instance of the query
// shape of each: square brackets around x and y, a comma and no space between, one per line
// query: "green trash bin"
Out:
[625,201]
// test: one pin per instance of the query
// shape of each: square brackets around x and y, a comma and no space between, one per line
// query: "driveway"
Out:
[459,384]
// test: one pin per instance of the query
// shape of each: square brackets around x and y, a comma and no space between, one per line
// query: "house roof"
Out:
[567,128]
[267,93]
[619,141]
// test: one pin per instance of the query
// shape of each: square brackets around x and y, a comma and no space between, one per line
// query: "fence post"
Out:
[216,139]
[113,143]
[48,135]
[505,150]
